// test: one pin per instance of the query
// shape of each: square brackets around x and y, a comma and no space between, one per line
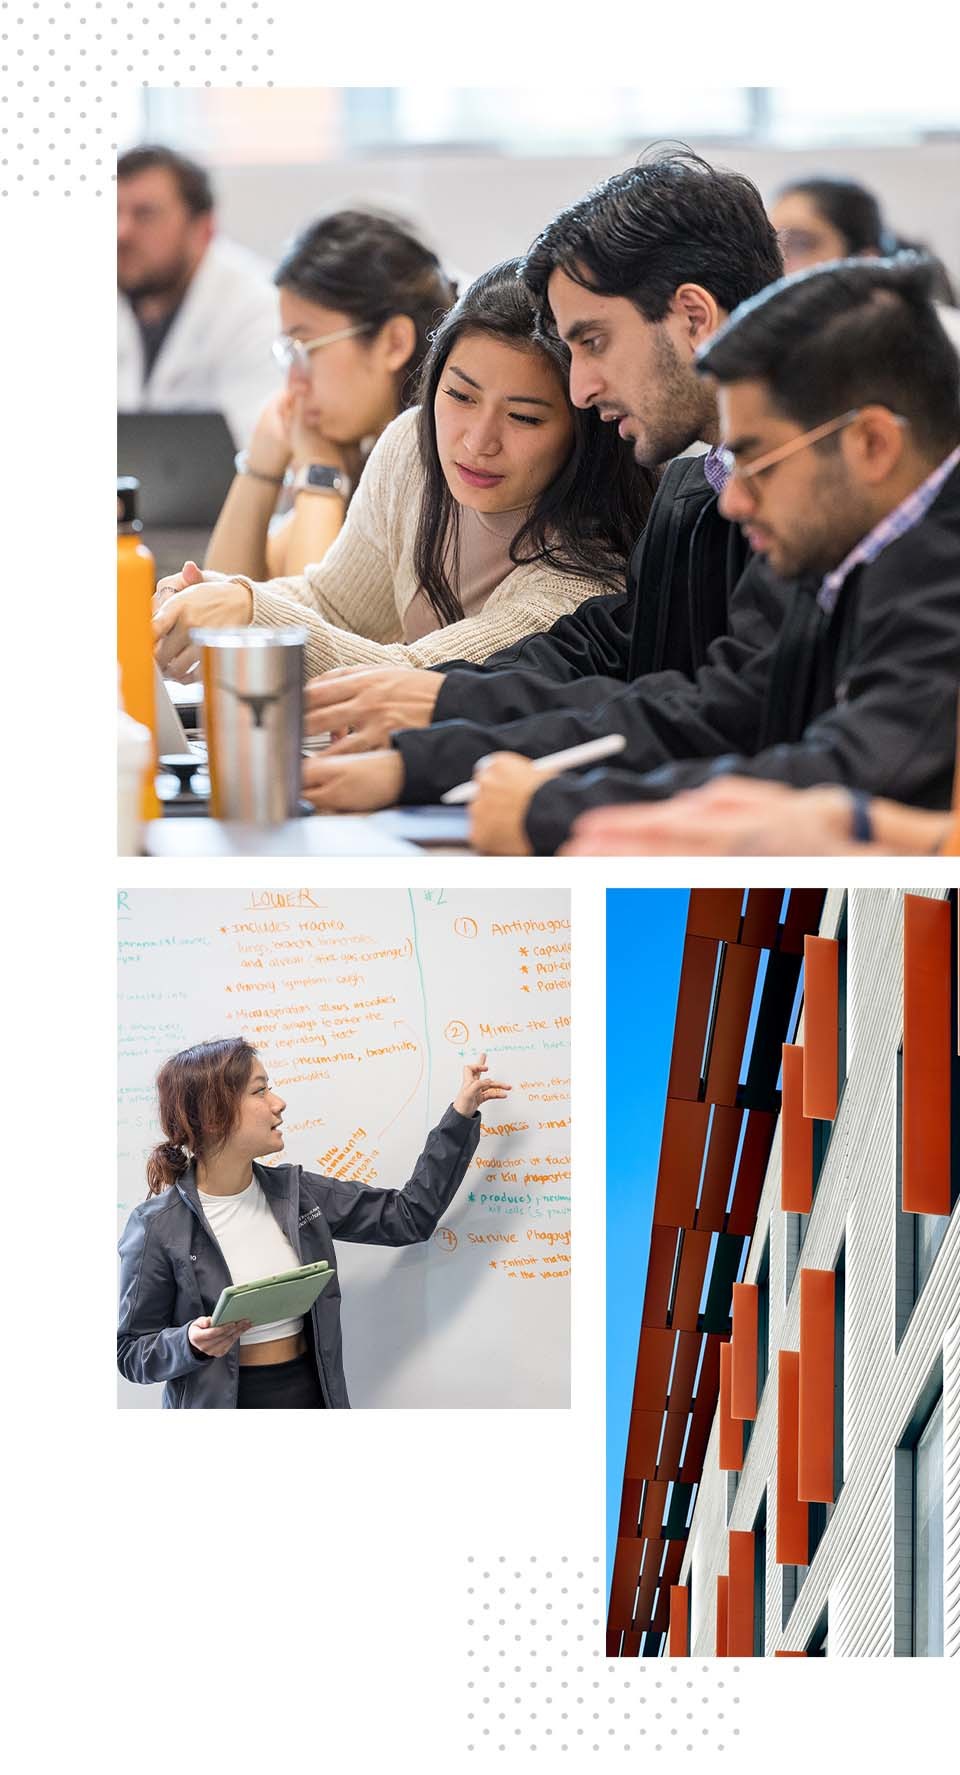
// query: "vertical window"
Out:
[928,1538]
[839,1349]
[763,1320]
[760,1581]
[818,1645]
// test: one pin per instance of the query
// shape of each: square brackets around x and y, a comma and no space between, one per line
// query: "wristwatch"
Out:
[861,819]
[319,477]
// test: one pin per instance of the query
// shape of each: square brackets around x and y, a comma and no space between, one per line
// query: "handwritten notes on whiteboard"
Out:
[364,1006]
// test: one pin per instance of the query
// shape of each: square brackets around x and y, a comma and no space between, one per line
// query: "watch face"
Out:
[318,475]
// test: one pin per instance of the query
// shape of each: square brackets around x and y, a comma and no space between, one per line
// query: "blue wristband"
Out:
[861,823]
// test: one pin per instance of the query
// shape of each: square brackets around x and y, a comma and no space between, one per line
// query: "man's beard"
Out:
[684,409]
[171,282]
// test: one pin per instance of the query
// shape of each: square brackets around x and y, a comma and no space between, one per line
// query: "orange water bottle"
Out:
[135,583]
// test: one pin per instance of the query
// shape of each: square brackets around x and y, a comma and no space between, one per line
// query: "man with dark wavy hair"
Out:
[634,278]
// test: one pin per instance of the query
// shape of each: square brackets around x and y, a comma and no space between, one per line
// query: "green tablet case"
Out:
[286,1296]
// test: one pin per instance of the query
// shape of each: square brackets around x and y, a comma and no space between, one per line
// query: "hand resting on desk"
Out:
[363,705]
[194,599]
[353,785]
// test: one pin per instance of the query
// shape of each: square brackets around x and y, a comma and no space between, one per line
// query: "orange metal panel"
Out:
[821,965]
[803,914]
[730,1024]
[649,1579]
[643,1441]
[681,1158]
[927,1044]
[630,1495]
[715,912]
[631,1645]
[723,1601]
[751,1171]
[815,1416]
[626,1571]
[740,1595]
[673,1436]
[684,1370]
[761,919]
[793,1517]
[731,1430]
[743,1345]
[653,1369]
[656,1295]
[796,1138]
[693,1008]
[718,1170]
[704,1411]
[693,1267]
[651,1522]
[789,1654]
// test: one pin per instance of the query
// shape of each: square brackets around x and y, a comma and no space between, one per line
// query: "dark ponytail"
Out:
[166,1164]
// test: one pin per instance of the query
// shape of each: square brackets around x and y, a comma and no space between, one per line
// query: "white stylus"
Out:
[590,753]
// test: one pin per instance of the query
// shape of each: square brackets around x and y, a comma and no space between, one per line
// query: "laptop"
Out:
[184,462]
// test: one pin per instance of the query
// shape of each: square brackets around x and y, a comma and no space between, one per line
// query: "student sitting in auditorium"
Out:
[824,218]
[480,518]
[359,297]
[840,401]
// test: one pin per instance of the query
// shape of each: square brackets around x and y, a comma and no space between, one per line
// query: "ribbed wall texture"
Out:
[853,1570]
[951,1491]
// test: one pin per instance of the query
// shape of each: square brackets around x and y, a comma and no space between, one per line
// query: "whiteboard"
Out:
[364,1005]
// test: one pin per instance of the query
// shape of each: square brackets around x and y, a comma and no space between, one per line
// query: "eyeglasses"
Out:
[293,355]
[747,470]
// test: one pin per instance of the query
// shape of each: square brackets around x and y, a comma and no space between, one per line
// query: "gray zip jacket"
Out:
[172,1270]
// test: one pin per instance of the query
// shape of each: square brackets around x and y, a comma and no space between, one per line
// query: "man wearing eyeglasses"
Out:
[839,400]
[196,314]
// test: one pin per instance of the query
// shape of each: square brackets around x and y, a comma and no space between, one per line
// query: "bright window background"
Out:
[300,124]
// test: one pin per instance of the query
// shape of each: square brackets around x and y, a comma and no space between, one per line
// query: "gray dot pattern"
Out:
[62,66]
[538,1678]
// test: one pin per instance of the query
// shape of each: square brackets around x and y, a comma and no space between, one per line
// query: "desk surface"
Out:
[397,832]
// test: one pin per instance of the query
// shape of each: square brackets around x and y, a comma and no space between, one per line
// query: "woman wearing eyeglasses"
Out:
[485,517]
[359,295]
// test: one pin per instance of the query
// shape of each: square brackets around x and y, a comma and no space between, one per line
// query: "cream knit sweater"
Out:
[352,602]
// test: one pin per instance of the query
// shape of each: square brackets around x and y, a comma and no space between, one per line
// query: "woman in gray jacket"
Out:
[214,1216]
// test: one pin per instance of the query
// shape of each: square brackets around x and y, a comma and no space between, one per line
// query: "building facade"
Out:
[821,1513]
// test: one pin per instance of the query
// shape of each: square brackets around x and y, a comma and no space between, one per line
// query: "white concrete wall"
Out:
[853,1569]
[479,208]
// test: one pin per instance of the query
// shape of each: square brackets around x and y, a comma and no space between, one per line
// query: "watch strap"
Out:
[861,820]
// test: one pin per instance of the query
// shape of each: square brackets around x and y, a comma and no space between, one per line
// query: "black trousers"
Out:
[285,1386]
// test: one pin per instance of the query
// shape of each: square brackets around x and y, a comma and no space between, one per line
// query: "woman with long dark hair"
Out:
[359,296]
[484,517]
[214,1216]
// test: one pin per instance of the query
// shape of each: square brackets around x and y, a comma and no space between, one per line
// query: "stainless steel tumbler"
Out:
[253,718]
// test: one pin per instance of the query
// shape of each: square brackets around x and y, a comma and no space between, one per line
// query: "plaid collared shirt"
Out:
[896,523]
[715,469]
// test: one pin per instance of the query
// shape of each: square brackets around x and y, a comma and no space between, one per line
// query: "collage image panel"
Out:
[783,1273]
[617,516]
[344,1148]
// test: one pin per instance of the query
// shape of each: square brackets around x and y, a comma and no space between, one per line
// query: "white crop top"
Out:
[246,1230]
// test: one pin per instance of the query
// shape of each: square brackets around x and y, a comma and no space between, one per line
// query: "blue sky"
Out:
[645,929]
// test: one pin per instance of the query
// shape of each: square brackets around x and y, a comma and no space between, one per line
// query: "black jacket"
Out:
[172,1269]
[865,697]
[681,586]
